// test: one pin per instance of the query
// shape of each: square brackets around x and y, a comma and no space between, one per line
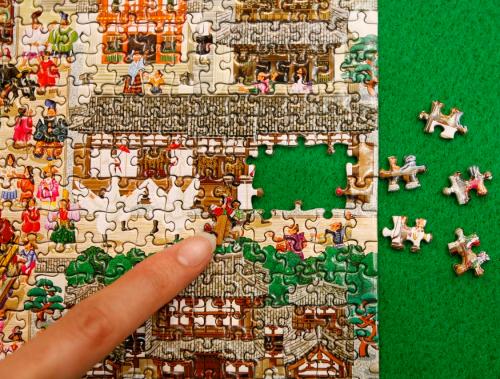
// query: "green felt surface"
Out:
[432,323]
[302,179]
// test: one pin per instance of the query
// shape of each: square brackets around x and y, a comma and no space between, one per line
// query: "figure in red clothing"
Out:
[47,72]
[31,218]
[23,129]
[6,233]
[26,184]
[226,216]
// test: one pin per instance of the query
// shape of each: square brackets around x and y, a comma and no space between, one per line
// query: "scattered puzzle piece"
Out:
[461,188]
[401,233]
[408,173]
[463,247]
[450,123]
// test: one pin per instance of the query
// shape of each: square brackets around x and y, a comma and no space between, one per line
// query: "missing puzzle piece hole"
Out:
[306,173]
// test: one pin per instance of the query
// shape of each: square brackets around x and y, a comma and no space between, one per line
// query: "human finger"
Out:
[91,329]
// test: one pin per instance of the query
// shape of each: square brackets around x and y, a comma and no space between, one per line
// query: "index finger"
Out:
[91,329]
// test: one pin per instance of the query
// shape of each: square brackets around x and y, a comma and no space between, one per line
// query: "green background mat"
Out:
[432,323]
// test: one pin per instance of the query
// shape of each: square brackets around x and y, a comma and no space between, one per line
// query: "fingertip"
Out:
[211,238]
[196,251]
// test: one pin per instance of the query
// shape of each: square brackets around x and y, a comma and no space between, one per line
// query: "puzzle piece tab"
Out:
[450,123]
[461,188]
[401,233]
[470,260]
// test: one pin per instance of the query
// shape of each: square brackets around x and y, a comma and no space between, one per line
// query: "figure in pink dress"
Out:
[48,189]
[23,129]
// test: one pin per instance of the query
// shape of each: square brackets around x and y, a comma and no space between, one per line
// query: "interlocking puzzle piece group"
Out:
[402,232]
[408,173]
[450,123]
[463,247]
[360,175]
[106,89]
[461,188]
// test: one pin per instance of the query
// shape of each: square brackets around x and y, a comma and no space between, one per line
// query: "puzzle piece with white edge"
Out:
[450,123]
[401,233]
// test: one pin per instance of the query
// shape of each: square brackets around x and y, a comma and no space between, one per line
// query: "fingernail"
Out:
[196,251]
[210,237]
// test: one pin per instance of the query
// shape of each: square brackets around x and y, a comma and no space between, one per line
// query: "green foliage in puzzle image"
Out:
[94,264]
[346,267]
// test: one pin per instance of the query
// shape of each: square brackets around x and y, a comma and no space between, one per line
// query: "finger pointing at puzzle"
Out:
[95,326]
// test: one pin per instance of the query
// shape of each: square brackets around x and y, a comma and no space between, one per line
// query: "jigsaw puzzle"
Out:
[461,187]
[402,232]
[126,126]
[463,247]
[408,173]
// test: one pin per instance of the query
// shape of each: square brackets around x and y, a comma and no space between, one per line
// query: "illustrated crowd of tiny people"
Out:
[48,51]
[33,205]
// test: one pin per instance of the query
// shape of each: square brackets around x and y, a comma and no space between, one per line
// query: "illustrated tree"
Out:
[361,63]
[121,263]
[347,267]
[350,267]
[88,267]
[360,278]
[366,325]
[44,299]
[94,264]
[284,270]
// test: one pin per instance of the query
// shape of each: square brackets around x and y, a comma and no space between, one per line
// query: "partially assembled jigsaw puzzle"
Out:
[126,126]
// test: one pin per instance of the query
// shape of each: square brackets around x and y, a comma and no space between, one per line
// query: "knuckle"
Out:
[94,324]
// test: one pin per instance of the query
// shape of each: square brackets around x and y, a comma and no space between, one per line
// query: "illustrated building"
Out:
[308,33]
[220,326]
[153,28]
[193,138]
[207,121]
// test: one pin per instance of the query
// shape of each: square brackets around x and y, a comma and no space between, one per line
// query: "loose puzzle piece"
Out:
[408,173]
[402,232]
[461,188]
[450,123]
[126,126]
[470,260]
